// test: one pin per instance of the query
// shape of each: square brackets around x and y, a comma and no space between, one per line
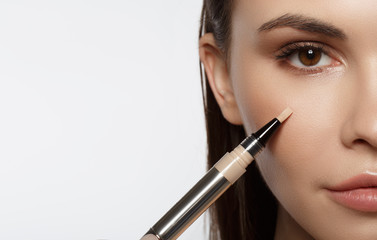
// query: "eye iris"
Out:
[309,56]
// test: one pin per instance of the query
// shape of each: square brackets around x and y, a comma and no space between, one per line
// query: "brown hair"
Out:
[248,209]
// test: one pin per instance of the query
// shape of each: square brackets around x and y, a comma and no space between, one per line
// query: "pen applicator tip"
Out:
[285,114]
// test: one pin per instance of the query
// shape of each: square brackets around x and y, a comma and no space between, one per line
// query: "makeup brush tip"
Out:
[285,114]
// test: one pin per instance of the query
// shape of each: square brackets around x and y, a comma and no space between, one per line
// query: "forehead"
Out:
[349,15]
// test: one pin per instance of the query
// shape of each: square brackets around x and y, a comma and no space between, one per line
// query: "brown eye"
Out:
[309,56]
[306,55]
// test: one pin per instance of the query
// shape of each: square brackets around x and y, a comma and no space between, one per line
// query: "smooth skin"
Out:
[332,134]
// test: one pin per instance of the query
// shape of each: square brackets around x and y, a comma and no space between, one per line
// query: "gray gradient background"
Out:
[101,123]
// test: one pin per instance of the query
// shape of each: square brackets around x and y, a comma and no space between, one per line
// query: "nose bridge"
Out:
[366,83]
[362,121]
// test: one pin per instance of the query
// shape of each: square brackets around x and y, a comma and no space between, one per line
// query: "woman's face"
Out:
[320,59]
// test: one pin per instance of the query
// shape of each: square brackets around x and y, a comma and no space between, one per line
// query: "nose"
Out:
[360,127]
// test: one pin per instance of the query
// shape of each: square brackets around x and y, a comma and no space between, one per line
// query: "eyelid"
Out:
[293,47]
[287,50]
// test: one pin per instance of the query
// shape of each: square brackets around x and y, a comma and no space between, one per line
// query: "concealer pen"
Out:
[216,181]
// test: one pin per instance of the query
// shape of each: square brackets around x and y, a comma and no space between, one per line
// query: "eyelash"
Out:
[293,48]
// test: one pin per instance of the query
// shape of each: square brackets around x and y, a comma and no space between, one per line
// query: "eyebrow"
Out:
[307,24]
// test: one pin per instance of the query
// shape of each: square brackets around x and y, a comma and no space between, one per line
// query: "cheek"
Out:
[293,160]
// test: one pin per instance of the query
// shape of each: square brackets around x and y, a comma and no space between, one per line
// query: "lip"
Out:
[358,193]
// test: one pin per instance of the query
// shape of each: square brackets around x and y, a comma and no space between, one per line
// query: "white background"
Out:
[101,123]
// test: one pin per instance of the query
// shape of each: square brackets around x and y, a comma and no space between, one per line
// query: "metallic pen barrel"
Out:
[191,206]
[217,180]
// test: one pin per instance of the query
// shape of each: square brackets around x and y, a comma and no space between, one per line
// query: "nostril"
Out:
[360,142]
[360,131]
